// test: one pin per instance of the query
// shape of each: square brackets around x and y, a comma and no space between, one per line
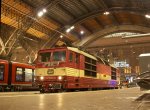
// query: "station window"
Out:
[1,72]
[24,74]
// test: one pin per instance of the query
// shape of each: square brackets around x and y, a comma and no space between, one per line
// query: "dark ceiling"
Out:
[23,31]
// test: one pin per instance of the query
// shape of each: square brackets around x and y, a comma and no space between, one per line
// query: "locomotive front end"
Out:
[50,70]
[50,79]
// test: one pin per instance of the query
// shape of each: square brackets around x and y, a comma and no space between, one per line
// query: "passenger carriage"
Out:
[15,75]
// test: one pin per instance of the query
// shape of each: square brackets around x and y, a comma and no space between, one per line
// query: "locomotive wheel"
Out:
[42,91]
[1,89]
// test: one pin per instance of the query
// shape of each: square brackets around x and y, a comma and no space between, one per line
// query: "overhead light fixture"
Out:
[147,16]
[137,35]
[133,52]
[68,30]
[72,27]
[40,14]
[144,54]
[61,36]
[44,10]
[81,32]
[106,13]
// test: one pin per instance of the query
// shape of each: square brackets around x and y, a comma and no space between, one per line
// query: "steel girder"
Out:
[109,30]
[132,10]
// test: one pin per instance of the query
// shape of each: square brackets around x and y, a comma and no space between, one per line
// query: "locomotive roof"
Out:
[73,49]
[81,52]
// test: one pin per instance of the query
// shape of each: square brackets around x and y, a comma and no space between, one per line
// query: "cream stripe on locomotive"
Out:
[50,71]
[69,72]
[59,71]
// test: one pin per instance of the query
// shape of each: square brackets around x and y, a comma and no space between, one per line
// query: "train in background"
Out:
[15,76]
[144,62]
[68,68]
[143,80]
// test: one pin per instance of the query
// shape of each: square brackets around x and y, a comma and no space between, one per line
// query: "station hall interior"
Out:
[97,51]
[116,30]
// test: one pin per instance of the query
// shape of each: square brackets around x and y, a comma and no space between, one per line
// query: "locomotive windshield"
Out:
[44,57]
[1,72]
[59,56]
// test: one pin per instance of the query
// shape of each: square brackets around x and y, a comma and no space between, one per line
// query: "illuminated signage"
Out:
[121,64]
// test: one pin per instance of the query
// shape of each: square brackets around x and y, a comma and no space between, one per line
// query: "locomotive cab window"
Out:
[44,57]
[1,72]
[59,56]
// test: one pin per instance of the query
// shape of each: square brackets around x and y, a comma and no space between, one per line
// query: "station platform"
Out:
[117,99]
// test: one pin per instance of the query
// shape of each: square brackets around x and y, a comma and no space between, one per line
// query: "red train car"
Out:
[15,76]
[69,68]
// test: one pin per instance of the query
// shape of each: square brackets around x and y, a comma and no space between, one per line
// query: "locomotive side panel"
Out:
[104,72]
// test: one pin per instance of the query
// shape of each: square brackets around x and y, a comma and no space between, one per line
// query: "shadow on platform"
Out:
[144,97]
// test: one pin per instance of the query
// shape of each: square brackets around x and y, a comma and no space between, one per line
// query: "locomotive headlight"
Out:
[41,77]
[59,77]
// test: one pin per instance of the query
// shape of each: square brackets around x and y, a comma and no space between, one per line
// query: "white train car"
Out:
[143,80]
[144,62]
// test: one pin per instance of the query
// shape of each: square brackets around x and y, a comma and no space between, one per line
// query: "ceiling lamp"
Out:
[61,36]
[41,13]
[69,29]
[81,32]
[144,54]
[106,13]
[44,10]
[147,16]
[72,27]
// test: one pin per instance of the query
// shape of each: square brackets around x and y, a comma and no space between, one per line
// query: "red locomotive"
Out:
[68,68]
[15,76]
